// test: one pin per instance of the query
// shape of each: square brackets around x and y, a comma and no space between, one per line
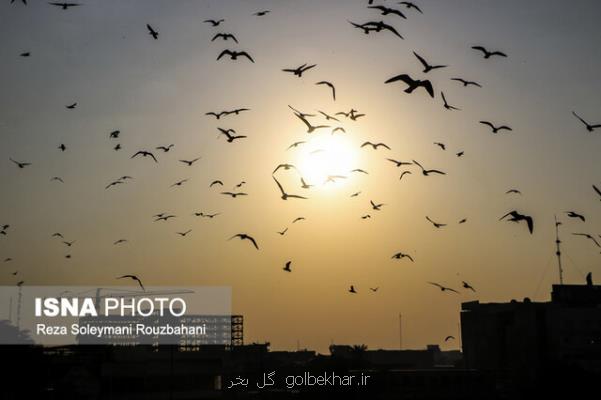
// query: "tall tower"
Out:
[558,250]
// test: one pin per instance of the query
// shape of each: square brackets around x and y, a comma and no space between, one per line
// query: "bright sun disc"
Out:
[324,156]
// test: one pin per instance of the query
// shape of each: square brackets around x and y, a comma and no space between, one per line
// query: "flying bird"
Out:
[399,163]
[230,137]
[404,173]
[443,288]
[235,54]
[589,236]
[352,289]
[450,337]
[165,148]
[427,172]
[517,217]
[488,54]
[71,106]
[298,71]
[375,146]
[374,289]
[310,128]
[213,22]
[286,167]
[224,36]
[597,190]
[216,182]
[262,13]
[413,84]
[120,241]
[573,214]
[379,26]
[441,145]
[189,162]
[183,234]
[20,164]
[304,184]
[145,153]
[386,10]
[466,82]
[152,32]
[328,117]
[460,154]
[331,86]
[513,191]
[285,195]
[179,183]
[65,6]
[244,236]
[496,129]
[26,54]
[164,217]
[114,134]
[57,178]
[297,219]
[282,233]
[399,256]
[234,194]
[114,183]
[468,286]
[410,5]
[376,206]
[135,278]
[287,266]
[589,127]
[436,224]
[427,67]
[447,105]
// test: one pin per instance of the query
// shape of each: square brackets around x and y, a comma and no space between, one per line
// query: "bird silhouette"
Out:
[244,236]
[366,216]
[328,117]
[133,277]
[496,129]
[298,219]
[404,173]
[460,154]
[145,153]
[597,190]
[224,36]
[427,172]
[399,163]
[165,148]
[213,22]
[447,105]
[386,10]
[183,234]
[298,71]
[235,54]
[450,337]
[589,236]
[262,13]
[310,128]
[333,178]
[441,145]
[466,82]
[410,5]
[375,289]
[286,167]
[462,221]
[400,255]
[21,165]
[114,134]
[380,26]
[179,183]
[352,289]
[375,206]
[304,184]
[164,217]
[58,235]
[25,54]
[468,286]
[229,136]
[355,194]
[573,214]
[189,163]
[62,147]
[331,86]
[510,191]
[57,178]
[234,194]
[517,217]
[152,32]
[282,233]
[71,106]
[64,6]
[413,84]
[443,288]
[488,54]
[120,241]
[436,224]
[217,115]
[375,146]
[285,195]
[589,127]
[114,183]
[287,266]
[216,182]
[427,67]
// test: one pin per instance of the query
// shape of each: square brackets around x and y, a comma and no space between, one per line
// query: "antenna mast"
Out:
[558,250]
[400,332]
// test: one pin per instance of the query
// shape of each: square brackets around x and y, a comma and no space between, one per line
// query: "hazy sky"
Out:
[101,56]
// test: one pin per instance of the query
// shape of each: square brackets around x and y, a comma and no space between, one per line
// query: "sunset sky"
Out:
[156,92]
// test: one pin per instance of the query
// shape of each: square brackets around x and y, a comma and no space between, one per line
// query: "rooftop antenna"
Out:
[558,250]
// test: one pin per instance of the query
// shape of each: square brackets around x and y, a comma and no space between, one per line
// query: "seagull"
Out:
[285,166]
[496,129]
[179,183]
[441,145]
[386,10]
[352,289]
[443,288]
[409,5]
[356,194]
[331,86]
[165,148]
[217,115]
[376,206]
[332,178]
[366,216]
[145,153]
[71,106]
[230,137]
[26,54]
[287,266]
[517,217]
[427,67]
[304,184]
[69,244]
[57,178]
[235,54]
[285,195]
[488,54]
[379,26]
[183,234]
[164,218]
[120,241]
[460,154]
[375,146]
[513,191]
[114,134]
[57,235]
[462,221]
[399,256]
[404,173]
[328,117]
[62,147]
[468,286]
[586,235]
[436,224]
[135,278]
[224,36]
[338,128]
[190,162]
[114,183]
[298,71]
[466,82]
[573,214]
[22,1]
[237,111]
[117,147]
[217,182]
[427,172]
[399,163]
[261,13]
[20,164]
[297,219]
[302,114]
[240,184]
[413,84]
[214,22]
[310,128]
[234,194]
[447,105]
[375,289]
[244,236]
[282,233]
[449,338]
[152,32]
[589,127]
[65,6]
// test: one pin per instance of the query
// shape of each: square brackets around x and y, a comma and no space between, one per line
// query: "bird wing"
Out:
[596,189]
[254,242]
[428,86]
[245,54]
[480,48]
[487,123]
[421,60]
[402,77]
[279,185]
[225,52]
[435,284]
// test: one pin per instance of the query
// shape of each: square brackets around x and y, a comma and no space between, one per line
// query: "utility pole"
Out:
[558,250]
[400,332]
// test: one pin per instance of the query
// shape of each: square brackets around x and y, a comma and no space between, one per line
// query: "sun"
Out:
[324,156]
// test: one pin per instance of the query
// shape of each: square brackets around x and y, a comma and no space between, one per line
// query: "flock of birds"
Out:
[410,85]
